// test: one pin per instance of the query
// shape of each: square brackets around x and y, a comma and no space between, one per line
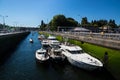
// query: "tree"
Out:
[118,26]
[85,22]
[1,26]
[99,23]
[61,20]
[58,20]
[43,25]
[112,23]
[71,22]
[94,23]
[102,23]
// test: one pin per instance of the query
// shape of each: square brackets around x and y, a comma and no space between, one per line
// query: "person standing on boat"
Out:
[105,60]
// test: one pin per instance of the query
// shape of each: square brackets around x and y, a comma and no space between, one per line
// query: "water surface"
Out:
[22,65]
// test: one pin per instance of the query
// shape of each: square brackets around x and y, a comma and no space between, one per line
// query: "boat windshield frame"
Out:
[52,39]
[76,51]
[55,46]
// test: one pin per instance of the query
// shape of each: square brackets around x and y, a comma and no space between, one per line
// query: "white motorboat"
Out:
[51,37]
[41,37]
[42,55]
[55,53]
[45,42]
[52,40]
[31,40]
[77,57]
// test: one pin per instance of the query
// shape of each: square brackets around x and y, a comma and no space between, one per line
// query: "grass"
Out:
[113,61]
[113,65]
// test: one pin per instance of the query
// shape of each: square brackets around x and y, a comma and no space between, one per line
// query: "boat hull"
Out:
[42,61]
[57,59]
[83,65]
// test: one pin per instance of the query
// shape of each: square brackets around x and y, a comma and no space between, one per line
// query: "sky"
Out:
[29,13]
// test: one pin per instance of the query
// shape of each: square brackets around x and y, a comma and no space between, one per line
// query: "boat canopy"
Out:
[52,38]
[41,50]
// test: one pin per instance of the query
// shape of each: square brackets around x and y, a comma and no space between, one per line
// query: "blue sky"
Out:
[31,12]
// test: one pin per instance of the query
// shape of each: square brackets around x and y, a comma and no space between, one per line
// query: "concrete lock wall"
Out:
[114,44]
[9,42]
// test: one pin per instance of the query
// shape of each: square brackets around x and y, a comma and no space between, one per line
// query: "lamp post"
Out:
[15,24]
[3,20]
[48,28]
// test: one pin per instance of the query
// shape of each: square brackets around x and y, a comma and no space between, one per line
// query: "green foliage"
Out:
[44,33]
[42,26]
[59,38]
[1,26]
[112,23]
[61,20]
[99,23]
[58,20]
[84,22]
[71,22]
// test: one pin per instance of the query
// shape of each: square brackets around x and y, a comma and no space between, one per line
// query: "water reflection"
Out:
[68,72]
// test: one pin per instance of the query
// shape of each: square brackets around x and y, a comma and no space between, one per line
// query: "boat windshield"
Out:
[44,42]
[55,42]
[52,39]
[57,53]
[55,46]
[41,52]
[76,52]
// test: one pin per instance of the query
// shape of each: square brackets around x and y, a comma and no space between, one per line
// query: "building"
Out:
[80,29]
